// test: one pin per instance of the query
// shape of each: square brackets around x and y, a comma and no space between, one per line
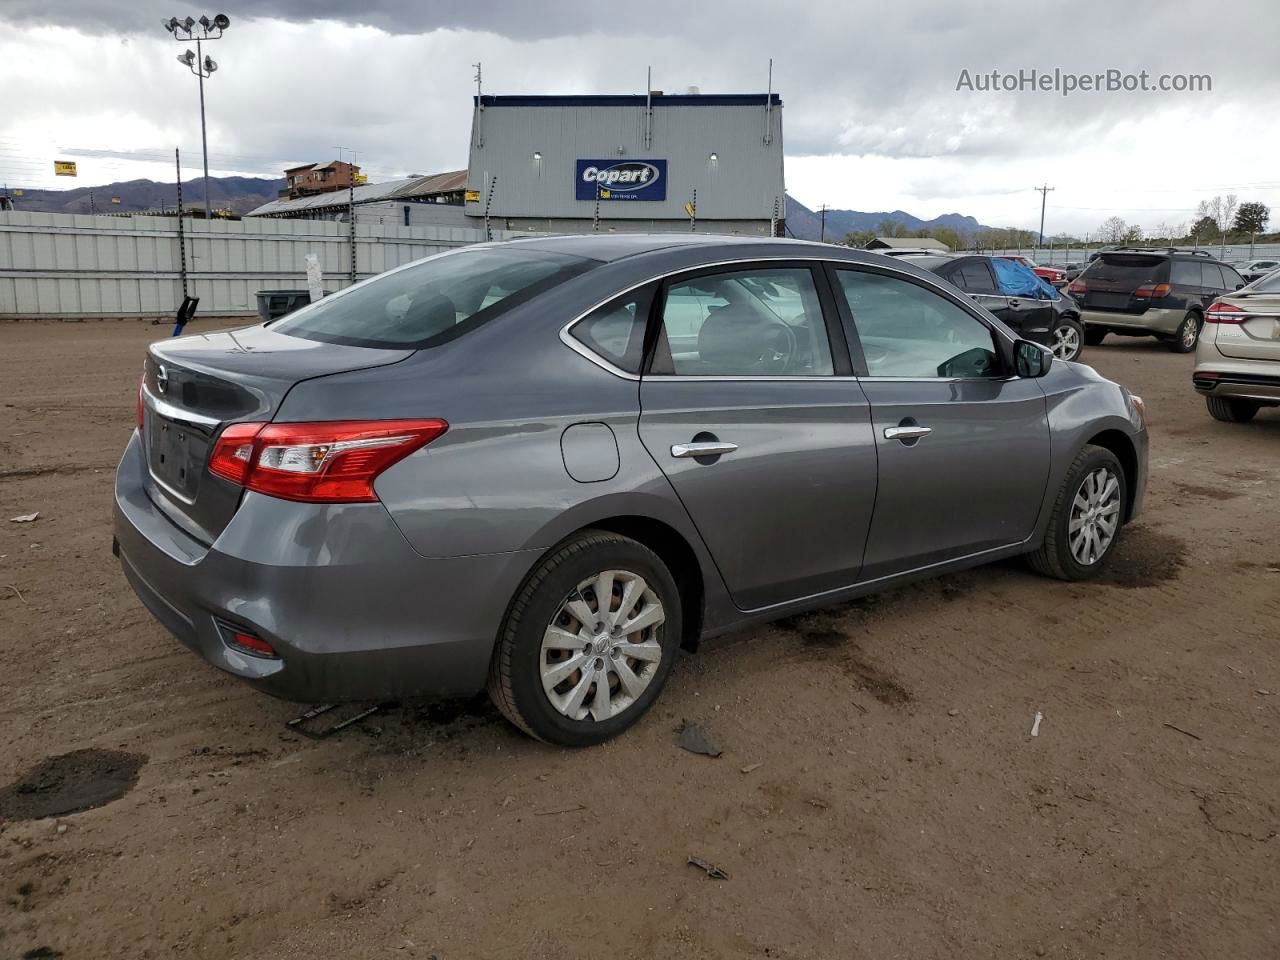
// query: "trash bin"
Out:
[273,304]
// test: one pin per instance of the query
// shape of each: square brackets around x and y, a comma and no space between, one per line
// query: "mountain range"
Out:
[242,194]
[237,194]
[806,224]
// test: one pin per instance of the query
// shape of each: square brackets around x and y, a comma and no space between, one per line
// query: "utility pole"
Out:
[1044,195]
[822,234]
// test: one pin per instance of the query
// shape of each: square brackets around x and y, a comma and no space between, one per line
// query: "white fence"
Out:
[76,266]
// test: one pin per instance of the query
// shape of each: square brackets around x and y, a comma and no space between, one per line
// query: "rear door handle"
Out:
[705,449]
[906,433]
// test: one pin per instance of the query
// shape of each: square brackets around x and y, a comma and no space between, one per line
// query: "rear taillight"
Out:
[1225,313]
[1078,286]
[1152,291]
[141,384]
[329,462]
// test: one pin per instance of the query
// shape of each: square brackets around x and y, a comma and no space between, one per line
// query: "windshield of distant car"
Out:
[433,300]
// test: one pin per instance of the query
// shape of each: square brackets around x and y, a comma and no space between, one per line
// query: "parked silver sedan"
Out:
[542,466]
[1238,353]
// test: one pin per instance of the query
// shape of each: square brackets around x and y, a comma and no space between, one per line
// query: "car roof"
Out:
[616,246]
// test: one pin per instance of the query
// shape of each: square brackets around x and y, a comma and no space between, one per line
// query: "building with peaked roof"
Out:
[396,201]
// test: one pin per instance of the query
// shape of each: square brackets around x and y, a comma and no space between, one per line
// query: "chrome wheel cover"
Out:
[1095,516]
[600,652]
[1066,342]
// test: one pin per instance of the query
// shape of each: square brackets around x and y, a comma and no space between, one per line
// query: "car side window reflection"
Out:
[909,331]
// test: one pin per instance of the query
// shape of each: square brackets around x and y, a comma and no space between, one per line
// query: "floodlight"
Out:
[210,64]
[188,58]
[204,22]
[188,23]
[222,21]
[170,23]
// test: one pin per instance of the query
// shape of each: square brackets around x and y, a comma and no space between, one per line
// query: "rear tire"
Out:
[1085,506]
[1232,409]
[1067,339]
[547,685]
[1184,338]
[1094,335]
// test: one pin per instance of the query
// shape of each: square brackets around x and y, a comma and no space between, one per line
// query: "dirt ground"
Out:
[880,794]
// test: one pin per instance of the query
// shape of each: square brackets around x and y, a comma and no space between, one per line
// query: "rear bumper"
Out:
[353,612]
[1217,375]
[1151,321]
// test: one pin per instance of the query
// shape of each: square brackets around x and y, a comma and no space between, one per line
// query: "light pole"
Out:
[202,67]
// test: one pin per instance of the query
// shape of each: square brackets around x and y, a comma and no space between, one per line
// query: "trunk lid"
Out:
[196,385]
[1258,338]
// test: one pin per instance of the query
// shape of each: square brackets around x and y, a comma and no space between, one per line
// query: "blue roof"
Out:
[634,100]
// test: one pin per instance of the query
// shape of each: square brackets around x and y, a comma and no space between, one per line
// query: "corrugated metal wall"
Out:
[71,265]
[742,183]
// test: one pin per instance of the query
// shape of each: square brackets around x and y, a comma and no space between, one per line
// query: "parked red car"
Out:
[1052,274]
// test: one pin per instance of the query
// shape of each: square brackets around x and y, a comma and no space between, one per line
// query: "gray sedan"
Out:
[542,466]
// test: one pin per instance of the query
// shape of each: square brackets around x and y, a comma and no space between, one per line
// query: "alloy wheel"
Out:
[1066,342]
[1095,516]
[1190,332]
[600,651]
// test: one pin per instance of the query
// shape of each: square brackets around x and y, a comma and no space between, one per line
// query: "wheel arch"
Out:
[1119,443]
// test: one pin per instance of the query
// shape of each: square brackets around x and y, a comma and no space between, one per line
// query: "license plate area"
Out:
[177,456]
[1113,301]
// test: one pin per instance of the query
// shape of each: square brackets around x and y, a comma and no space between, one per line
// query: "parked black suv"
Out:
[1162,292]
[1017,296]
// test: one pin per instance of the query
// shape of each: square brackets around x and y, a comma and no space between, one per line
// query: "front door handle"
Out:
[906,433]
[712,448]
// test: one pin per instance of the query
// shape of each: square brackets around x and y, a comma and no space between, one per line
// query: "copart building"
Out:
[656,162]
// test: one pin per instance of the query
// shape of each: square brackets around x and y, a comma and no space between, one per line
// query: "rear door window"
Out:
[1213,277]
[1230,278]
[976,277]
[1185,273]
[756,322]
[433,300]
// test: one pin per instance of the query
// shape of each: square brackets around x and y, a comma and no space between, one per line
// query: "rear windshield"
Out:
[1268,284]
[433,300]
[1128,269]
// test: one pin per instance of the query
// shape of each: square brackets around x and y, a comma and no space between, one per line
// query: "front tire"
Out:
[1087,517]
[1067,339]
[1232,409]
[1184,338]
[588,641]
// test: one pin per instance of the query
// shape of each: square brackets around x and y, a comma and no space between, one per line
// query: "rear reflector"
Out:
[327,462]
[251,644]
[1225,313]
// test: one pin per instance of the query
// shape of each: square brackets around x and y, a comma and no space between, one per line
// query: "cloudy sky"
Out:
[873,119]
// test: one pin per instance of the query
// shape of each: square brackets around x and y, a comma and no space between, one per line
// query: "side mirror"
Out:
[1031,359]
